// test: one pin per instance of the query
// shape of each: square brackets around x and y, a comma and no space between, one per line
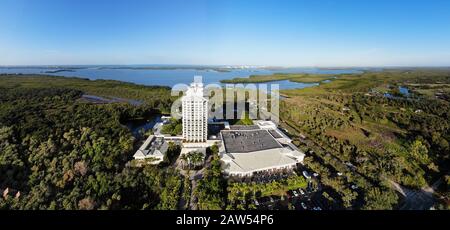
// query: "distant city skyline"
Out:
[340,33]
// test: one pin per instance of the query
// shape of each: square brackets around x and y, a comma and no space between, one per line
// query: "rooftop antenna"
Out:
[197,83]
[198,79]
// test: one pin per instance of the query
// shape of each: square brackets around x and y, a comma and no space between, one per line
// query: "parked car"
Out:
[304,206]
[295,193]
[271,199]
[301,192]
[306,175]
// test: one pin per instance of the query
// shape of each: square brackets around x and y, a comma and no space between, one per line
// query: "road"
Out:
[420,199]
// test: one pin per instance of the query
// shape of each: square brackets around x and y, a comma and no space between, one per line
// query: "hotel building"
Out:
[195,113]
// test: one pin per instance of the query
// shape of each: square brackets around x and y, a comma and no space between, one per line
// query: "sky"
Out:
[226,32]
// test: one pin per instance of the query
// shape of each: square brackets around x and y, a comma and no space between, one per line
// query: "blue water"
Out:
[404,91]
[170,77]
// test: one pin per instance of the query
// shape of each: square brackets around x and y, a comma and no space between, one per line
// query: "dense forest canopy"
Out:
[58,152]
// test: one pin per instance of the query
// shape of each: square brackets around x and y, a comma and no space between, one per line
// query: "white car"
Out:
[295,193]
[304,206]
[301,191]
[306,175]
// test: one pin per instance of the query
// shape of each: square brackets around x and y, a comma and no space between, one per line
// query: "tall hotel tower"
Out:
[195,113]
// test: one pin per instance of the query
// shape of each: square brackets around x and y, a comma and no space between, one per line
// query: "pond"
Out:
[404,91]
[140,126]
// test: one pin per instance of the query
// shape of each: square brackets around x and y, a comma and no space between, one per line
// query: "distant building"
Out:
[153,148]
[195,113]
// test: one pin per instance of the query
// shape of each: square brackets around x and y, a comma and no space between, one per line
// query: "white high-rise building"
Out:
[195,113]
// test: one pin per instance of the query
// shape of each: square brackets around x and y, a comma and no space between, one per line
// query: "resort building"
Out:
[154,148]
[195,114]
[257,148]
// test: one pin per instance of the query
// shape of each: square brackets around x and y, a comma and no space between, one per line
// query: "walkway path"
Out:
[194,176]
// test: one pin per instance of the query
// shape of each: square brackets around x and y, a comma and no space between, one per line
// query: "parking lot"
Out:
[300,199]
[313,197]
[309,201]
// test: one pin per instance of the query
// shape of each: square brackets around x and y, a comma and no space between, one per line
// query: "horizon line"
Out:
[232,65]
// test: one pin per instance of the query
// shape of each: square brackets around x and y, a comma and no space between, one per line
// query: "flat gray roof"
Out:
[244,127]
[275,133]
[240,141]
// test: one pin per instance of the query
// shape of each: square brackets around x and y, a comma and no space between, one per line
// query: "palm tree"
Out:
[190,159]
[184,159]
[196,158]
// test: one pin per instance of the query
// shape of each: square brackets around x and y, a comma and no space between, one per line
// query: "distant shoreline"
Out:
[294,77]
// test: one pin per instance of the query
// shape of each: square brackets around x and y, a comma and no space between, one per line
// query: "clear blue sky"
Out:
[251,32]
